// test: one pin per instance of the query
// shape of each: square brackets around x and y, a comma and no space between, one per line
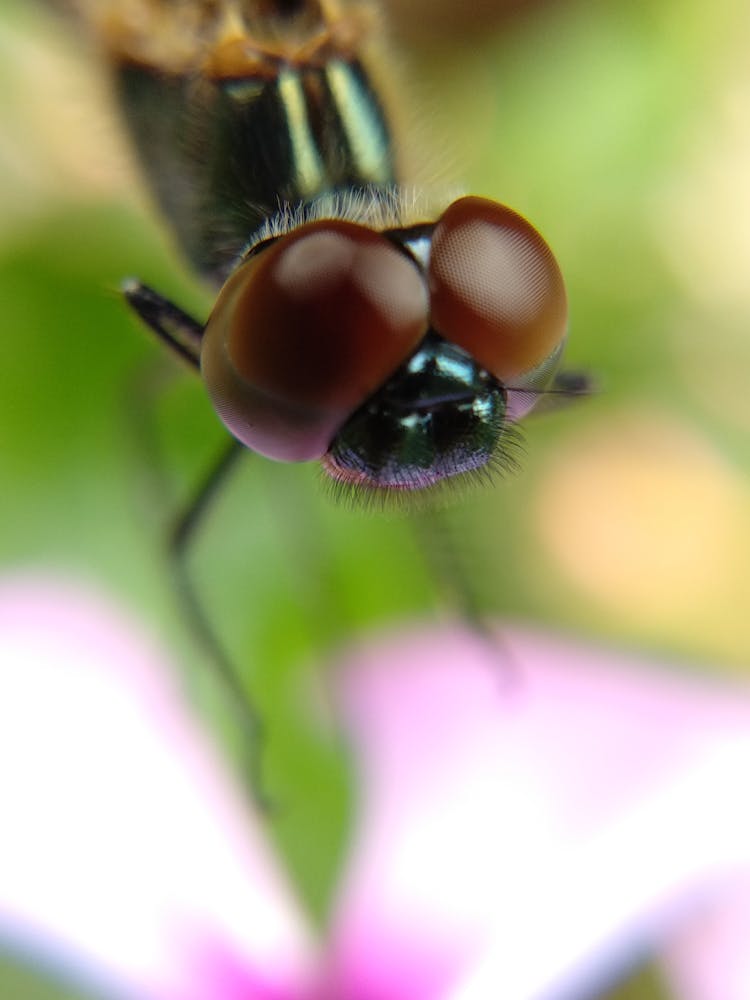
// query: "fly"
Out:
[395,343]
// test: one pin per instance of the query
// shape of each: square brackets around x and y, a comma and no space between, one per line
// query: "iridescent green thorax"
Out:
[439,416]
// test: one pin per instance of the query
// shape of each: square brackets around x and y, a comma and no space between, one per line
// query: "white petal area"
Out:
[534,818]
[125,852]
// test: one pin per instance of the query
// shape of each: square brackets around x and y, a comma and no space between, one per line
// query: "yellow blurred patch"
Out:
[649,522]
[702,218]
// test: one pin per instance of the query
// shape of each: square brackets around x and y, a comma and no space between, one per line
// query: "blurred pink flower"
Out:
[526,829]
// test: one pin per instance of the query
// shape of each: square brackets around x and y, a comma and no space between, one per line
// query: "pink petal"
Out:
[532,818]
[709,957]
[124,851]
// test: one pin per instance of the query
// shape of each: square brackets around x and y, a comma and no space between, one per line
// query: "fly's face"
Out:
[400,358]
[397,351]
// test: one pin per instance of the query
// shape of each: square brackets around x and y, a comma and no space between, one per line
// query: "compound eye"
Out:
[496,289]
[305,331]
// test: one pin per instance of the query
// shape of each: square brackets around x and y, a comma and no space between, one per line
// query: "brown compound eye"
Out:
[496,289]
[305,331]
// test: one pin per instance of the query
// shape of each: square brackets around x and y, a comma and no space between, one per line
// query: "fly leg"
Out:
[446,562]
[183,335]
[185,531]
[179,331]
[451,566]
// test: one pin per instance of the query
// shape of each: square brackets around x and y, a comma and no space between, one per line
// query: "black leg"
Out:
[181,540]
[182,334]
[179,331]
[445,558]
[456,572]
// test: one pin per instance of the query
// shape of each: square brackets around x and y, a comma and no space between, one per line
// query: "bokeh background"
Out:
[622,130]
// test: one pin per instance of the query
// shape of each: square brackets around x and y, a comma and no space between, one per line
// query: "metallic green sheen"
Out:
[441,415]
